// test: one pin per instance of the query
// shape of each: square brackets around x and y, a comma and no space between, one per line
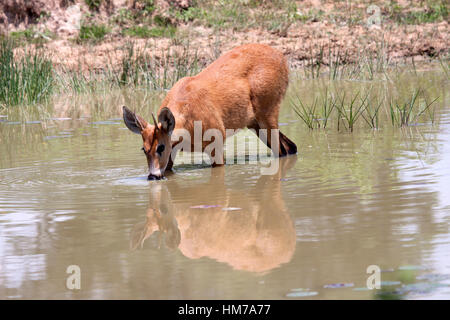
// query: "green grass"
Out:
[22,37]
[312,115]
[349,113]
[364,108]
[142,13]
[26,34]
[154,32]
[28,79]
[430,11]
[148,6]
[307,113]
[93,5]
[92,32]
[372,114]
[445,66]
[277,16]
[274,16]
[407,113]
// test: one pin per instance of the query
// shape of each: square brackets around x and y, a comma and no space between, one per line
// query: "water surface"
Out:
[73,192]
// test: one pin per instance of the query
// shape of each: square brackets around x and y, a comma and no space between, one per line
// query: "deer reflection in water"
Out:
[257,238]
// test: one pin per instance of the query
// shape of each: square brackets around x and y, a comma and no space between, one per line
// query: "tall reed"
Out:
[28,79]
[406,113]
[347,109]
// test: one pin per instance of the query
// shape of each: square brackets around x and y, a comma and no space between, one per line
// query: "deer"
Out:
[243,88]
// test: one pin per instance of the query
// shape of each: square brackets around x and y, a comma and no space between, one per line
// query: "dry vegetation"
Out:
[93,35]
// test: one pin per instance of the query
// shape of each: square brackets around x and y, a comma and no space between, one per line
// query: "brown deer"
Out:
[242,88]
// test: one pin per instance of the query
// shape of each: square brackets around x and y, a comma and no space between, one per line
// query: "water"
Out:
[74,192]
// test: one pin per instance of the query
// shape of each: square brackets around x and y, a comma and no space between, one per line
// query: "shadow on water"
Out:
[257,237]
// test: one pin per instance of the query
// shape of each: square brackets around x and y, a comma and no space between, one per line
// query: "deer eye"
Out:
[160,149]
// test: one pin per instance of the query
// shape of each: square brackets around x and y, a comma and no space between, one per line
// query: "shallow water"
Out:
[74,192]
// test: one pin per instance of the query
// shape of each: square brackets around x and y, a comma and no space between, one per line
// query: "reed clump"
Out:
[405,113]
[365,109]
[26,79]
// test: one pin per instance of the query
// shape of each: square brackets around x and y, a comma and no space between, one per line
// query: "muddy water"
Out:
[73,192]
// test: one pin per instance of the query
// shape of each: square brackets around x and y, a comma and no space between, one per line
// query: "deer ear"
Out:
[133,122]
[167,120]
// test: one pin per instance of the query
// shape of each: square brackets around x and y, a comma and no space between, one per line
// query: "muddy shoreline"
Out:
[303,46]
[340,31]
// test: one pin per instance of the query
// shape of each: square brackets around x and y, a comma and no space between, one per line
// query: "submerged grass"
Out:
[365,108]
[445,66]
[310,114]
[349,113]
[430,11]
[407,113]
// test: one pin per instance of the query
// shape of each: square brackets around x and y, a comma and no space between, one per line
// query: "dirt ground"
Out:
[301,41]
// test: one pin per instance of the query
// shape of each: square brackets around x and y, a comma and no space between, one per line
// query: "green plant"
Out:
[349,113]
[92,32]
[275,16]
[123,16]
[371,115]
[148,6]
[31,36]
[306,113]
[25,80]
[93,4]
[190,14]
[328,106]
[445,66]
[146,32]
[26,34]
[309,114]
[404,113]
[432,11]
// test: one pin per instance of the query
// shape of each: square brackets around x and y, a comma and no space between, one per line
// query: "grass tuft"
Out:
[93,5]
[92,33]
[406,113]
[155,32]
[28,79]
[348,109]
